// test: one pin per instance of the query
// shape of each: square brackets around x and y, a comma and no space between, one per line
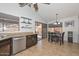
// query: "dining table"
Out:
[55,37]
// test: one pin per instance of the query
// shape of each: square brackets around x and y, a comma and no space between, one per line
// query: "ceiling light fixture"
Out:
[57,23]
[35,5]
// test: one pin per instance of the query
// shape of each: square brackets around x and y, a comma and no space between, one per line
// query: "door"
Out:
[44,30]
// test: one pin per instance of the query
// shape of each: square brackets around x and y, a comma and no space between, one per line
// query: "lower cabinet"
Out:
[31,40]
[11,46]
[5,47]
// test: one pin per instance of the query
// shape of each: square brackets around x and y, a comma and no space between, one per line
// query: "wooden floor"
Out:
[45,48]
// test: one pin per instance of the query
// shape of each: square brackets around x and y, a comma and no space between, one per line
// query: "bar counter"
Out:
[12,43]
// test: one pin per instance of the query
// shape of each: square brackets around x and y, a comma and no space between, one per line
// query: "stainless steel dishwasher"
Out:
[19,44]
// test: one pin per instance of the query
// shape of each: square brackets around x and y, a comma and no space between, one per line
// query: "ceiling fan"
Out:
[35,5]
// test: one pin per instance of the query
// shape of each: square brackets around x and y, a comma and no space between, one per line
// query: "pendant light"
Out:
[56,23]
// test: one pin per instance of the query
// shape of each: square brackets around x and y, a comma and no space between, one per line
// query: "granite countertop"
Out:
[5,35]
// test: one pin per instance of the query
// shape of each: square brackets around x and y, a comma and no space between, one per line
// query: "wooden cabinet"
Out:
[31,40]
[70,36]
[5,47]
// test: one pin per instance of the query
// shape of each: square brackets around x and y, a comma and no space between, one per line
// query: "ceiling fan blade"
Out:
[47,3]
[23,4]
[35,5]
[29,5]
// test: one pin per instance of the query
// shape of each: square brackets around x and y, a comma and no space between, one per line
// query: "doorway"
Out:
[41,30]
[38,30]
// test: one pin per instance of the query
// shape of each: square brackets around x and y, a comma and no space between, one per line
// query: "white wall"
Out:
[75,29]
[32,25]
[14,9]
[78,29]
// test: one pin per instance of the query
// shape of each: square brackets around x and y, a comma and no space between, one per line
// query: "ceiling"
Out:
[48,12]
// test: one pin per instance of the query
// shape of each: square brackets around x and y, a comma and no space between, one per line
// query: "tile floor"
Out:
[45,48]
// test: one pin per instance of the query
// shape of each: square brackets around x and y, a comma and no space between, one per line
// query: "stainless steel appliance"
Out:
[19,44]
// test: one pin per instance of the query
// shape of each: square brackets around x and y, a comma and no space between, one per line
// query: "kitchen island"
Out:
[12,43]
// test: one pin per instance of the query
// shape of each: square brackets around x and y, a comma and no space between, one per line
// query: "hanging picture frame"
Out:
[69,23]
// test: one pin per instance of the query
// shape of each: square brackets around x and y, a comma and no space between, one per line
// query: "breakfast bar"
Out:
[12,43]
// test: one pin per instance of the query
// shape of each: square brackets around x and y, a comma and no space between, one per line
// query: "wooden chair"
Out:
[62,38]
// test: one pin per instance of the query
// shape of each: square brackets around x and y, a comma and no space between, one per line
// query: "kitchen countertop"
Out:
[5,35]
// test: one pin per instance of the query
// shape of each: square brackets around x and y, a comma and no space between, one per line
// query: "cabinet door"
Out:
[31,40]
[28,41]
[34,39]
[5,47]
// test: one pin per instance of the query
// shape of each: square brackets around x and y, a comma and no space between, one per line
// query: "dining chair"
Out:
[63,37]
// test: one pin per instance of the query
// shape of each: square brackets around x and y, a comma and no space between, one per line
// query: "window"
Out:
[9,27]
